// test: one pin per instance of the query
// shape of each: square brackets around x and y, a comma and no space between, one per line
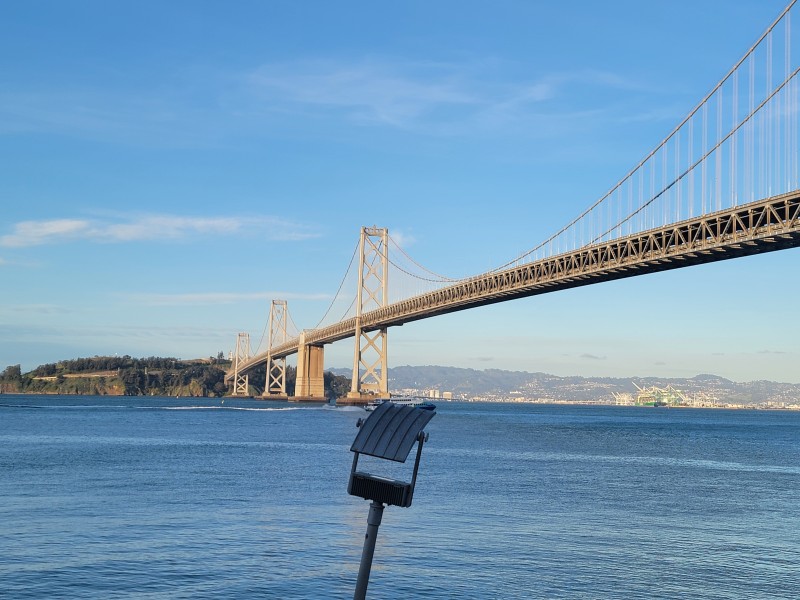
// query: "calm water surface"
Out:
[186,498]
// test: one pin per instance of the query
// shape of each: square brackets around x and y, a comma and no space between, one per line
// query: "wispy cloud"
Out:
[402,238]
[514,98]
[438,96]
[40,309]
[105,331]
[205,107]
[148,228]
[166,117]
[35,233]
[367,91]
[592,357]
[213,298]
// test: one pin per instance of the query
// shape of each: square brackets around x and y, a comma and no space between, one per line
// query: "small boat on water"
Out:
[415,401]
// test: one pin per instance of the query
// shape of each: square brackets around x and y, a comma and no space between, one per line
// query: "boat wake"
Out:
[343,408]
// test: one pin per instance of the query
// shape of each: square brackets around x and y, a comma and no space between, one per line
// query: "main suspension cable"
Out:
[404,253]
[341,284]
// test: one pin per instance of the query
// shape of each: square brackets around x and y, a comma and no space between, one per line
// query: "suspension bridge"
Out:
[723,184]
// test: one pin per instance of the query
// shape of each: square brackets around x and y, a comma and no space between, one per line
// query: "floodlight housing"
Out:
[388,433]
[391,492]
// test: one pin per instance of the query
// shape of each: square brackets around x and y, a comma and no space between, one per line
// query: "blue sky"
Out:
[168,168]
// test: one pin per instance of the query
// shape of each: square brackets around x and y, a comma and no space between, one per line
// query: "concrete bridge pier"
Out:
[275,397]
[310,383]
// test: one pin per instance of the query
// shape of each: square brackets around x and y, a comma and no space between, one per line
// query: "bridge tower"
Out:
[373,293]
[241,383]
[275,385]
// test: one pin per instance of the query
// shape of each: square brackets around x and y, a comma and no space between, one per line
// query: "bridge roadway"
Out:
[754,228]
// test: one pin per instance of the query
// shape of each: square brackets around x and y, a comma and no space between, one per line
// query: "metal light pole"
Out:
[373,522]
[389,432]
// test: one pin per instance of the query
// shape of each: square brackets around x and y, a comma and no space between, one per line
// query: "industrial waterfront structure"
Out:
[667,396]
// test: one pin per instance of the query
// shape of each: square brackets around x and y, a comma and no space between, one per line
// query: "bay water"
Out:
[118,497]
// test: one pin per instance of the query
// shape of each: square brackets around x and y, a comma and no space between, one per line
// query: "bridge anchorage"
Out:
[724,184]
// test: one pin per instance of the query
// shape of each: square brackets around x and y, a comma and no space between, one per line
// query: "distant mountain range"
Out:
[496,384]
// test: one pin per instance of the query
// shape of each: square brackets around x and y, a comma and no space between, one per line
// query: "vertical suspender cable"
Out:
[767,126]
[787,112]
[718,158]
[664,179]
[690,199]
[734,118]
[704,147]
[677,215]
[751,170]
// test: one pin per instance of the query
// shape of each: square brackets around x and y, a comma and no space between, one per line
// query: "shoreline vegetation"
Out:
[152,376]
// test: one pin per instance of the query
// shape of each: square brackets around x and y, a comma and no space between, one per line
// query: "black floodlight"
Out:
[389,433]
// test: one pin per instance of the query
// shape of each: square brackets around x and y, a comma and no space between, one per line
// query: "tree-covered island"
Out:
[152,376]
